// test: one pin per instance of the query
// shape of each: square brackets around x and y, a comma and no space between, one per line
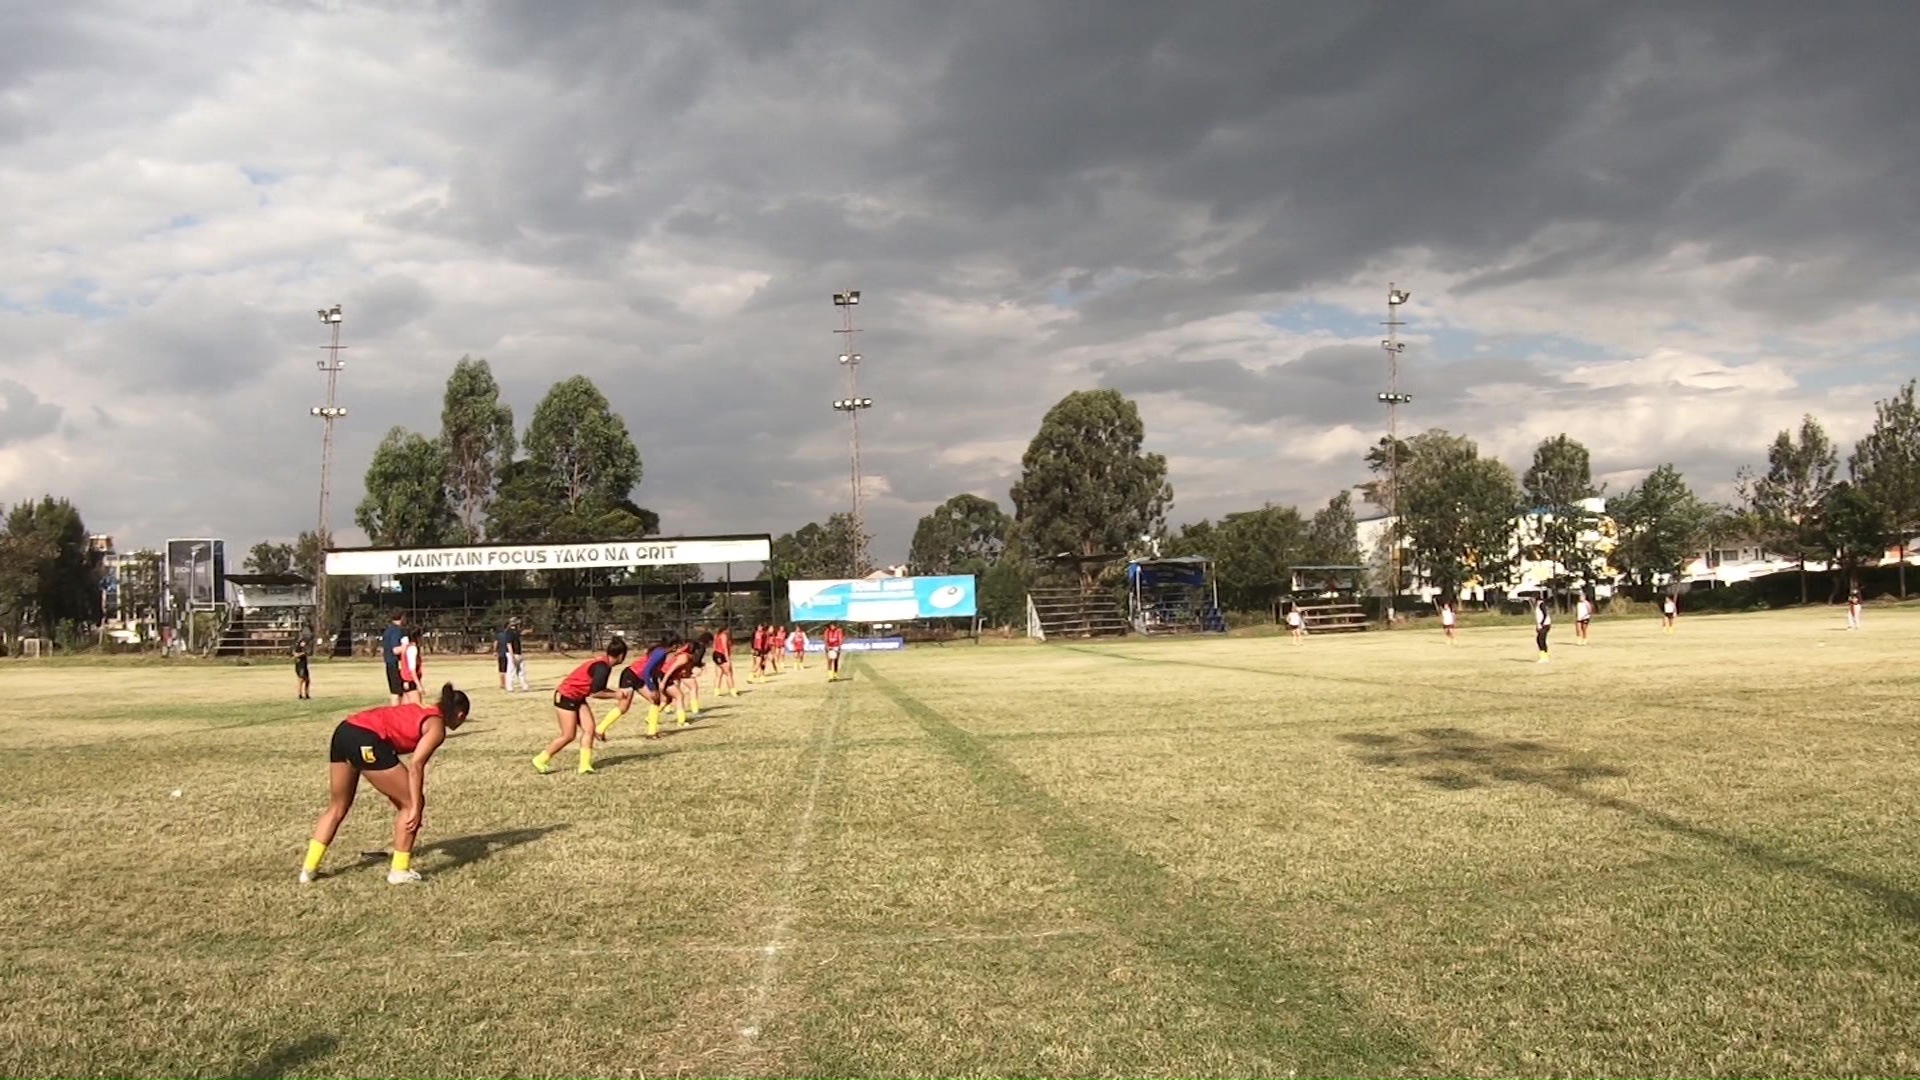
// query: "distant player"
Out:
[303,678]
[1542,625]
[570,707]
[723,684]
[369,744]
[503,656]
[1447,620]
[776,644]
[797,645]
[1853,610]
[516,655]
[1582,615]
[1669,609]
[833,639]
[411,668]
[391,641]
[1296,626]
[759,653]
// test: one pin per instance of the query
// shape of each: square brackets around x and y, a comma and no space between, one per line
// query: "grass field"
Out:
[1688,854]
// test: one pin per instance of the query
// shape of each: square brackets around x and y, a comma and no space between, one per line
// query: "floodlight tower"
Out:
[327,413]
[1393,399]
[851,405]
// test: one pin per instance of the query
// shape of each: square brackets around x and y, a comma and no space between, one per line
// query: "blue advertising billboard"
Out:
[894,599]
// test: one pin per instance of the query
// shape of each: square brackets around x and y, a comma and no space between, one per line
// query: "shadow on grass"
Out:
[462,850]
[1455,759]
[286,1057]
[639,757]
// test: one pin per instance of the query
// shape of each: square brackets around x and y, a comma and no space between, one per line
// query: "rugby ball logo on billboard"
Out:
[881,599]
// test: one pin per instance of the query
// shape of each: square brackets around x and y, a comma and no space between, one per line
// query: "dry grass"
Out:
[1374,854]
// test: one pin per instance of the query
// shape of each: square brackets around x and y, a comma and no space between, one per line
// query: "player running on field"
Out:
[369,744]
[1582,615]
[1446,620]
[833,639]
[570,707]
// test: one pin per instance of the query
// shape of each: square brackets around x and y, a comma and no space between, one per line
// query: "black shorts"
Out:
[720,659]
[630,680]
[362,749]
[567,704]
[501,660]
[395,684]
[300,668]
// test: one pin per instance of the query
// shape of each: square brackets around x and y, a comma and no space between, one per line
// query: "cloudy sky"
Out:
[1667,230]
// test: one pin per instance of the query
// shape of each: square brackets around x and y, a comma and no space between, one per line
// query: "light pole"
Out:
[1393,399]
[327,413]
[851,405]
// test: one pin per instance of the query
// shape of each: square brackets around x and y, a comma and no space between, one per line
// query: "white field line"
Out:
[875,941]
[769,971]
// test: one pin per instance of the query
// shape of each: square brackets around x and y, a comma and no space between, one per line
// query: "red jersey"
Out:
[400,725]
[759,638]
[588,679]
[722,643]
[833,637]
[679,665]
[410,661]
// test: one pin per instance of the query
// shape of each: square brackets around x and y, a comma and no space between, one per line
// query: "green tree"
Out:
[476,432]
[1002,593]
[964,535]
[1333,536]
[267,557]
[814,551]
[1787,499]
[1659,522]
[1556,484]
[1885,466]
[1382,458]
[1086,487]
[1457,513]
[1853,531]
[49,573]
[406,502]
[576,483]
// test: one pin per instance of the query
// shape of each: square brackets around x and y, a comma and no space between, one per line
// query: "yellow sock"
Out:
[402,860]
[315,852]
[611,718]
[693,706]
[653,720]
[680,713]
[586,759]
[541,760]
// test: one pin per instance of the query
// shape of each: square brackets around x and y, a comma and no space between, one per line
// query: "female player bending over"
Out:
[370,743]
[570,707]
[641,679]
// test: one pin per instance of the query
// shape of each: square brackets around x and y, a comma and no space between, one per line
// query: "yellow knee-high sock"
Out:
[586,759]
[608,721]
[315,852]
[653,720]
[402,861]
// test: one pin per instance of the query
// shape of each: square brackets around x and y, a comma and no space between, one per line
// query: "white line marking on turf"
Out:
[890,941]
[769,973]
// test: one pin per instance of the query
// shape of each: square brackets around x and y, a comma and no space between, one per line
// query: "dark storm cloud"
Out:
[23,415]
[705,174]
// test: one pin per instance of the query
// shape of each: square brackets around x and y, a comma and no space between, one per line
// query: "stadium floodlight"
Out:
[846,299]
[849,358]
[850,404]
[1396,297]
[331,412]
[1394,399]
[331,315]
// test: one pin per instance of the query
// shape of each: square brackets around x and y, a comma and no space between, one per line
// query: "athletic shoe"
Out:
[403,877]
[306,877]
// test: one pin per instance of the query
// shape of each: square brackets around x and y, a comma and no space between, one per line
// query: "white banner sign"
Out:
[464,560]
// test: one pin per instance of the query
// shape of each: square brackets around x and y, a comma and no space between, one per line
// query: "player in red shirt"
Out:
[589,680]
[411,670]
[776,644]
[833,638]
[723,684]
[369,744]
[760,631]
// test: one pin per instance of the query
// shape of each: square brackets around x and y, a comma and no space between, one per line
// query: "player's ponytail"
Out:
[453,706]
